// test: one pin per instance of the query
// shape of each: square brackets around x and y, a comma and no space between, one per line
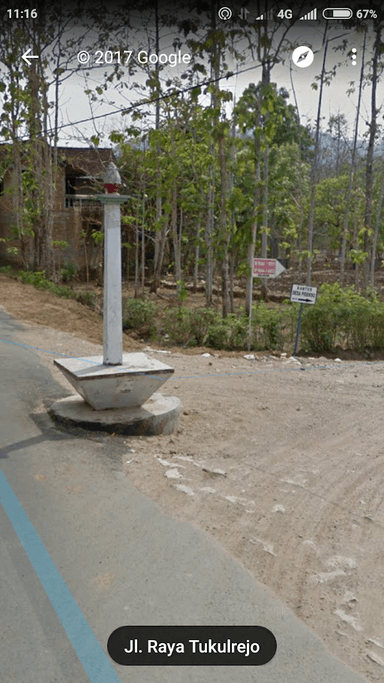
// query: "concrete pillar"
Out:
[112,313]
[112,310]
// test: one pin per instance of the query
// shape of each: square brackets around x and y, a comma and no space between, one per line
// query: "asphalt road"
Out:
[83,553]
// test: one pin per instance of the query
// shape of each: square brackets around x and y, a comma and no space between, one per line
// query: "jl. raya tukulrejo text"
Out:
[196,647]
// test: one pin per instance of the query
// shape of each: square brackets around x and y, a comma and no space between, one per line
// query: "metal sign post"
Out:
[298,330]
[302,294]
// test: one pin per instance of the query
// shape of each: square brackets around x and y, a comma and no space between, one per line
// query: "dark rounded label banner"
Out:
[192,645]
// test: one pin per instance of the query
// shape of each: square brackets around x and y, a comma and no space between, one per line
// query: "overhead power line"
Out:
[153,100]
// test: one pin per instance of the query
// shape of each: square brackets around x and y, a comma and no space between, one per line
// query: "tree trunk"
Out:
[314,169]
[300,174]
[137,262]
[208,241]
[159,246]
[231,280]
[255,217]
[196,263]
[352,171]
[175,237]
[370,152]
[160,256]
[264,234]
[143,248]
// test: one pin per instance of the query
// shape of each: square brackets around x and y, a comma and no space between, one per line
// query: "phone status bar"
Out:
[328,13]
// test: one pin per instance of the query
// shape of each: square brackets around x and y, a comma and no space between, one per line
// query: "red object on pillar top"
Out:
[112,179]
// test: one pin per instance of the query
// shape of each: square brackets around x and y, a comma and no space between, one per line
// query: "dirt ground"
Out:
[280,460]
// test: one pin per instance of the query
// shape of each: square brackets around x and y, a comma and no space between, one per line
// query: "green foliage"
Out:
[97,236]
[206,327]
[6,270]
[330,207]
[278,121]
[60,244]
[358,256]
[201,321]
[322,323]
[86,298]
[39,280]
[140,315]
[69,272]
[177,325]
[181,290]
[341,317]
[230,333]
[267,327]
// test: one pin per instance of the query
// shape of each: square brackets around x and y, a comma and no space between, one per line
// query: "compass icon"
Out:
[302,56]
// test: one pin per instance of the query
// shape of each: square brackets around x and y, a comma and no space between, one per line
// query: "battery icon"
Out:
[337,13]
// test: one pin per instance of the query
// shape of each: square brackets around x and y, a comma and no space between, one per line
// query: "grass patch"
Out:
[38,280]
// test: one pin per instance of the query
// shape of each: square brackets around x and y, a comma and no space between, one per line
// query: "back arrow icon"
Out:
[26,56]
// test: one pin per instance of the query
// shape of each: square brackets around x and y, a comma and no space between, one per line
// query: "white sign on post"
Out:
[303,294]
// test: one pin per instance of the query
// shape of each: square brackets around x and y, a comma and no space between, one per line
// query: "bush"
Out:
[267,327]
[341,317]
[30,278]
[201,321]
[39,281]
[206,327]
[177,324]
[377,326]
[69,272]
[86,298]
[217,337]
[238,332]
[320,328]
[140,315]
[230,333]
[7,270]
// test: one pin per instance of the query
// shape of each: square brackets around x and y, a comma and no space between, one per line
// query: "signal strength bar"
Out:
[311,16]
[265,16]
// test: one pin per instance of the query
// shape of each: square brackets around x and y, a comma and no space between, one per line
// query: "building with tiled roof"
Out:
[76,215]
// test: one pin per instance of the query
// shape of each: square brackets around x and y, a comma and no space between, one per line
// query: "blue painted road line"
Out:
[54,353]
[88,649]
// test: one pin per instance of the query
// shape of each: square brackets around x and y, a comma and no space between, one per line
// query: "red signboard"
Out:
[264,267]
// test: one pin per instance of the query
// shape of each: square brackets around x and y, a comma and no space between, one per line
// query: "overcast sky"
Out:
[75,104]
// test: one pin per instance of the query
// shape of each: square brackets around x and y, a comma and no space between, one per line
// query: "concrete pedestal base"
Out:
[159,415]
[115,386]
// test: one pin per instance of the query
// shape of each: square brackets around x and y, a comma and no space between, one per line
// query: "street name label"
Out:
[267,267]
[303,294]
[192,645]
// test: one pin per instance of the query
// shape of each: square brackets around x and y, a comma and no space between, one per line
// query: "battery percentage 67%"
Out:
[366,14]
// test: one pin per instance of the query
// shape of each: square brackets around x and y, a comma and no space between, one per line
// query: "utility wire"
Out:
[159,98]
